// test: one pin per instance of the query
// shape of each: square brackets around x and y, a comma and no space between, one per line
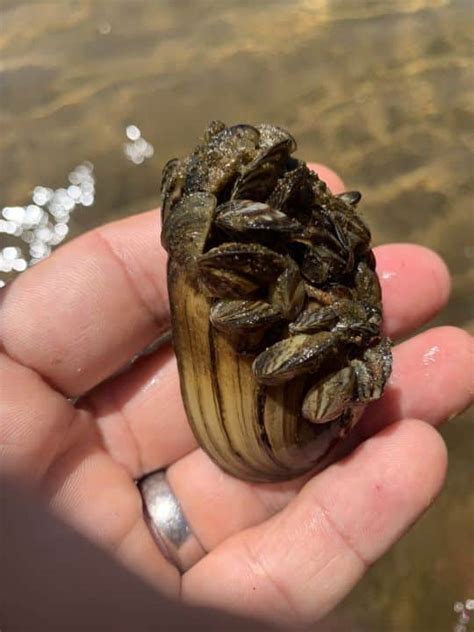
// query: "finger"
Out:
[415,286]
[98,498]
[141,413]
[39,427]
[83,313]
[298,565]
[34,422]
[141,416]
[425,384]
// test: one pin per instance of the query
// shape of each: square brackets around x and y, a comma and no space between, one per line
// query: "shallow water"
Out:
[381,91]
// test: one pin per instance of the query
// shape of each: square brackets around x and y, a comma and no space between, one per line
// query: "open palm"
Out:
[288,552]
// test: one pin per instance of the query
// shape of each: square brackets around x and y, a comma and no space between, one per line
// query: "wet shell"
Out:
[275,304]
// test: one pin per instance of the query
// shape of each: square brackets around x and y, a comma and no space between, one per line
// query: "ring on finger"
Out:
[168,523]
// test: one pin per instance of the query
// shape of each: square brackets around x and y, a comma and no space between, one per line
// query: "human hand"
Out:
[287,552]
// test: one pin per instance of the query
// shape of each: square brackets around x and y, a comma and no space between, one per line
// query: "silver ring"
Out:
[167,522]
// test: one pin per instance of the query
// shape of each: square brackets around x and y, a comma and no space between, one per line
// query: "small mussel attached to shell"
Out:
[275,303]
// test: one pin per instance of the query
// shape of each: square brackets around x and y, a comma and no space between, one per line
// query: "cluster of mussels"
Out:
[286,264]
